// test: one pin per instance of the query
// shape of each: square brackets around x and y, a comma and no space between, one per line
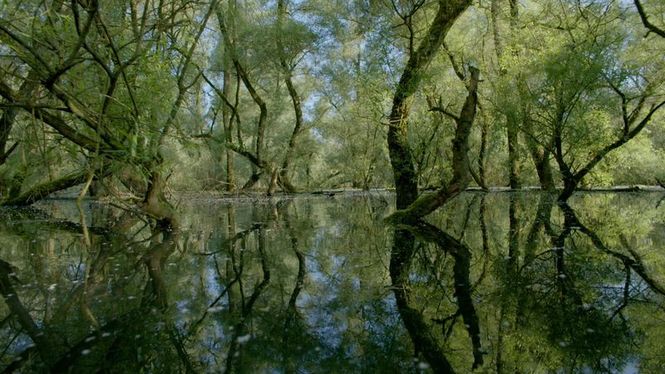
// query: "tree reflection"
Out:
[424,341]
[499,282]
[564,301]
[60,338]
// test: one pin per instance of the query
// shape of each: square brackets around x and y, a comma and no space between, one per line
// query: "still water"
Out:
[499,283]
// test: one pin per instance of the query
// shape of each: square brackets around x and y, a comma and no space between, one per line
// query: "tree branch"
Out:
[53,121]
[645,20]
[442,110]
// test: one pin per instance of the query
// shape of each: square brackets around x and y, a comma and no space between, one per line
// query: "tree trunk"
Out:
[228,119]
[43,190]
[401,160]
[482,173]
[253,179]
[426,204]
[513,156]
[511,120]
[259,164]
[155,203]
[272,184]
[541,160]
[284,180]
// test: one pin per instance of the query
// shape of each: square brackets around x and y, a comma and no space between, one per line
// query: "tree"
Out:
[99,43]
[401,159]
[512,127]
[139,97]
[586,93]
[287,59]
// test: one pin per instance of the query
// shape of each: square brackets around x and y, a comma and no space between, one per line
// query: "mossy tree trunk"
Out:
[401,159]
[541,160]
[427,203]
[540,154]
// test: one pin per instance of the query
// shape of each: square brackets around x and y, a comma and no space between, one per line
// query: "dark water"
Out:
[494,283]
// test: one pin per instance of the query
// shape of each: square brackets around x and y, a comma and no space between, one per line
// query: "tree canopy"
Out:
[134,99]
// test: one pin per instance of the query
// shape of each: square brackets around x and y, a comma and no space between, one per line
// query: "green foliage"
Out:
[550,69]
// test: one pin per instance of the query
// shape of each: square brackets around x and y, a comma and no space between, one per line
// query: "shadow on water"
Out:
[495,282]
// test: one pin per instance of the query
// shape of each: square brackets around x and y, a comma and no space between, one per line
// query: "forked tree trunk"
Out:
[541,160]
[426,204]
[632,127]
[401,159]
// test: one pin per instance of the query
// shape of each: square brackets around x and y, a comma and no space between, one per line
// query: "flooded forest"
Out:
[332,186]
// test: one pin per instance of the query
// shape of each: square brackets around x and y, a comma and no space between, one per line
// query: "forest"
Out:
[332,186]
[139,100]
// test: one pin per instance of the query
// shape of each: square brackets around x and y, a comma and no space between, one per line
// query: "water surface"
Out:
[494,283]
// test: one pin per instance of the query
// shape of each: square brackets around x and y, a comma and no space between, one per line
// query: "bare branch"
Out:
[645,20]
[458,70]
[443,110]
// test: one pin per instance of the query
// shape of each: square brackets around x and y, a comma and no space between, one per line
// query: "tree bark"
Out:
[541,160]
[155,202]
[401,159]
[228,118]
[284,179]
[513,156]
[426,204]
[482,155]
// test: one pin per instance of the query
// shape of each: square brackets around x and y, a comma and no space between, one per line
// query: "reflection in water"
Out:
[423,340]
[496,282]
